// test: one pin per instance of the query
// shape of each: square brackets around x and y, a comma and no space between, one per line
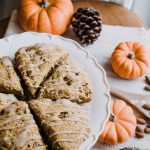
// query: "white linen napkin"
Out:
[102,50]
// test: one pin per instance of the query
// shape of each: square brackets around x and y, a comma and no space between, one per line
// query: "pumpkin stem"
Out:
[112,117]
[44,4]
[131,55]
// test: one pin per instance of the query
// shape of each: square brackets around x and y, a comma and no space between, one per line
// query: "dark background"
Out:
[6,7]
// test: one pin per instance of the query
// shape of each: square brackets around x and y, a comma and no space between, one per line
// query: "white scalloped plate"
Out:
[100,106]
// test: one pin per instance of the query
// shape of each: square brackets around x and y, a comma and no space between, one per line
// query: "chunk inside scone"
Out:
[36,62]
[9,81]
[64,123]
[18,130]
[67,81]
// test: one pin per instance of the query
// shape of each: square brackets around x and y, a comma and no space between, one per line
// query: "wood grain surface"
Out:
[112,14]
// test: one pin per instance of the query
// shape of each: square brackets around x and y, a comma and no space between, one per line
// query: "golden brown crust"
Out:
[36,62]
[68,81]
[9,81]
[18,129]
[65,123]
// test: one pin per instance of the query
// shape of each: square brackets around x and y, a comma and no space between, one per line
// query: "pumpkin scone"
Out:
[36,62]
[9,81]
[64,123]
[18,130]
[67,81]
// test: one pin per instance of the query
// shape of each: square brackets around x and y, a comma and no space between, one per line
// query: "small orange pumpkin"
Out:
[121,124]
[130,60]
[52,16]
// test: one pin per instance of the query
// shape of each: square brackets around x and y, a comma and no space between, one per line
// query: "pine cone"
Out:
[87,25]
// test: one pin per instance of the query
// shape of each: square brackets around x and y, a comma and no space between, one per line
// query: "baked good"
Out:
[6,100]
[9,81]
[58,83]
[18,130]
[67,81]
[36,62]
[64,123]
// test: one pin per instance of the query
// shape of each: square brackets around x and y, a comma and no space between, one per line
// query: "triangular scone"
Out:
[9,81]
[6,100]
[36,62]
[18,130]
[64,123]
[67,81]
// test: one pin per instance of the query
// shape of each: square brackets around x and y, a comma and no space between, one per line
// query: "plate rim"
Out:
[89,56]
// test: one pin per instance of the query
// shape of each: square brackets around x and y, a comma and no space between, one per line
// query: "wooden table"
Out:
[112,14]
[3,27]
